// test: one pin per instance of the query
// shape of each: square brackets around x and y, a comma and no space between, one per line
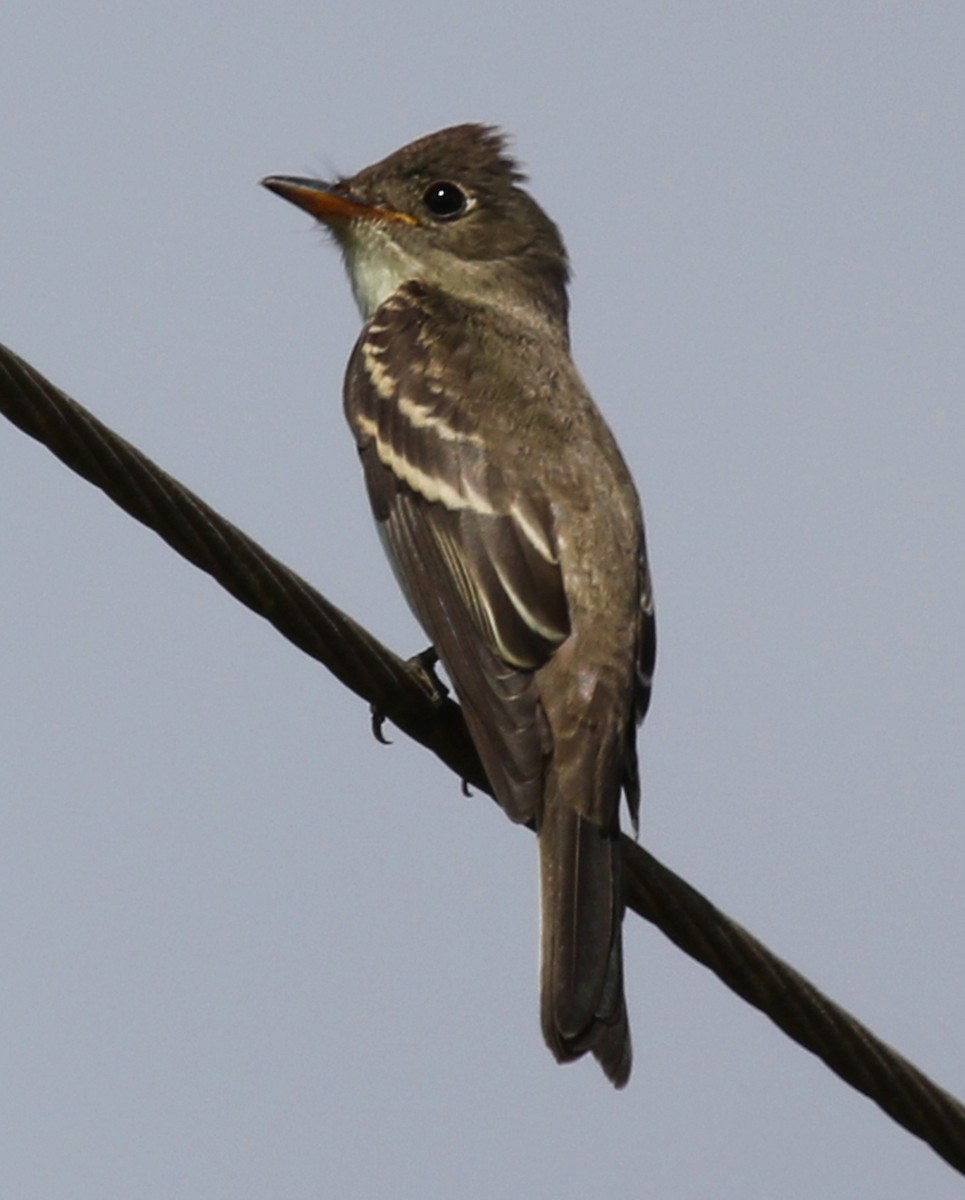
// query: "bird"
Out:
[512,523]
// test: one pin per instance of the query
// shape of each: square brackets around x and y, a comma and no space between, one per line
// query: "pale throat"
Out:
[377,266]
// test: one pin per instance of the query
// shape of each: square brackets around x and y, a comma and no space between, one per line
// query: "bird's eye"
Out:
[445,200]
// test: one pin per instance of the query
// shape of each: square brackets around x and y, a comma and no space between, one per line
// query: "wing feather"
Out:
[481,572]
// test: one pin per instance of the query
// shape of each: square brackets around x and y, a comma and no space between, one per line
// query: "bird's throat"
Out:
[377,266]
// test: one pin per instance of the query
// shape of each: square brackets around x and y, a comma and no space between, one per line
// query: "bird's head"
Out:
[447,210]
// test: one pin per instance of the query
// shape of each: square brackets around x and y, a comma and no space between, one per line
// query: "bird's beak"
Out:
[329,205]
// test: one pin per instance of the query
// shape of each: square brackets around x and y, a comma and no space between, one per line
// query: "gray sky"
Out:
[246,951]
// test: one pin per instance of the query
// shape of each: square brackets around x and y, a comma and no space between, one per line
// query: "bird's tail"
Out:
[581,975]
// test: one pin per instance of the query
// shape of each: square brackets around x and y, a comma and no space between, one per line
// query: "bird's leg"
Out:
[422,664]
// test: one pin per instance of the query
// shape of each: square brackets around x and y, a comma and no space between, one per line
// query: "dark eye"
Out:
[445,200]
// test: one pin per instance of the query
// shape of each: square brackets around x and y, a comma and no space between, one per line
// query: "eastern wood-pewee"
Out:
[512,523]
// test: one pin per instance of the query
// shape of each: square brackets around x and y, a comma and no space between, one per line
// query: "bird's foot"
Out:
[423,665]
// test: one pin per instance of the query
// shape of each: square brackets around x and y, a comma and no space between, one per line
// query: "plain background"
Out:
[245,952]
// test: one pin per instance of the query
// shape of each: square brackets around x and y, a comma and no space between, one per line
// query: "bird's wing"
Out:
[646,653]
[475,551]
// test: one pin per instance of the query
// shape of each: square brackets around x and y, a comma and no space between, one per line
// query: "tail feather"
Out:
[581,893]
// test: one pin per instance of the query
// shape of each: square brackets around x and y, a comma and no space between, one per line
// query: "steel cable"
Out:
[408,695]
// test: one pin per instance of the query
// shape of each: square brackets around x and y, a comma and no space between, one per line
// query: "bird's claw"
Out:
[423,665]
[379,718]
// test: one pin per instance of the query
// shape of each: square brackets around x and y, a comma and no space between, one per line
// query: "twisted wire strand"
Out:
[402,691]
[414,701]
[795,1005]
